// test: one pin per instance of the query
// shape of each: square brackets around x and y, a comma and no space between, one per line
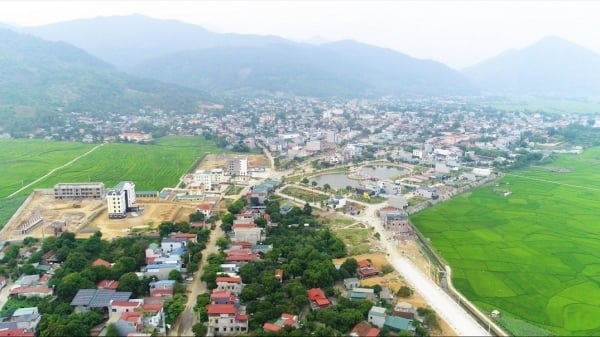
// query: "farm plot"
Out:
[534,254]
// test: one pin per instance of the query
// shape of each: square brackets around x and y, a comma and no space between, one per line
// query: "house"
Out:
[351,283]
[364,329]
[362,294]
[108,284]
[161,271]
[317,298]
[224,320]
[101,262]
[169,244]
[23,318]
[33,291]
[396,323]
[233,284]
[206,209]
[386,294]
[270,327]
[16,333]
[117,307]
[367,272]
[27,281]
[285,320]
[189,237]
[247,233]
[241,256]
[405,310]
[133,319]
[377,316]
[363,264]
[224,297]
[279,275]
[87,299]
[152,314]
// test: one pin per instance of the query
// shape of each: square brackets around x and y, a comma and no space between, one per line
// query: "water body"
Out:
[383,172]
[341,180]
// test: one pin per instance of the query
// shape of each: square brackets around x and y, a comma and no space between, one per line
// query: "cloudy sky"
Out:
[457,33]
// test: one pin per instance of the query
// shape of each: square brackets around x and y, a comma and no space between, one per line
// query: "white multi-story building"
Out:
[79,191]
[216,176]
[331,137]
[237,166]
[120,199]
[205,178]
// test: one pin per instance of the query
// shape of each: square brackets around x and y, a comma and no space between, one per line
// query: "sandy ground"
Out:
[220,161]
[87,216]
[394,281]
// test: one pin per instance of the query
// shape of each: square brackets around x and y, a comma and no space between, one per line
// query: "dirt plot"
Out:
[84,217]
[394,281]
[211,161]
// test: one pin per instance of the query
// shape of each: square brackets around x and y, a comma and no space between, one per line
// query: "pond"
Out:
[383,172]
[341,180]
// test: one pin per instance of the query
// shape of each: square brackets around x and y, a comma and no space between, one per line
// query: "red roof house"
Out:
[101,262]
[318,298]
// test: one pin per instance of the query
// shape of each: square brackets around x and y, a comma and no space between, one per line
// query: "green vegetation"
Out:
[547,105]
[355,236]
[533,254]
[150,167]
[304,194]
[234,189]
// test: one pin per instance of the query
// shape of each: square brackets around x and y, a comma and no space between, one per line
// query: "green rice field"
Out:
[150,167]
[533,254]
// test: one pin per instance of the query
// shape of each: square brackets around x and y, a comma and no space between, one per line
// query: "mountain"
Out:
[126,41]
[39,78]
[551,66]
[345,68]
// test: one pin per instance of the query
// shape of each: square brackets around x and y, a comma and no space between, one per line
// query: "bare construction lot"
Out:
[41,215]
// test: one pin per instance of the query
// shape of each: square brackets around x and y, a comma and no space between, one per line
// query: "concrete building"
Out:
[121,199]
[203,177]
[377,316]
[237,166]
[224,320]
[79,191]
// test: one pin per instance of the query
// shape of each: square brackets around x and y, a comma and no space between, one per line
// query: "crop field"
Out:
[534,253]
[150,167]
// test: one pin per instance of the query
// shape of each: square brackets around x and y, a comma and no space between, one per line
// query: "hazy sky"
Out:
[458,33]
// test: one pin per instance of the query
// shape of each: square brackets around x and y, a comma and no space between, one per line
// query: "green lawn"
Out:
[150,167]
[534,254]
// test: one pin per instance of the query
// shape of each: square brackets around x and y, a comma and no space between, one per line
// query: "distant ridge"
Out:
[551,66]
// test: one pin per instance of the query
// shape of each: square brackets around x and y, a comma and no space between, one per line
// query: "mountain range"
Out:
[39,78]
[196,60]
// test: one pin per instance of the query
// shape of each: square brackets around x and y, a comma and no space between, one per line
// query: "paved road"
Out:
[187,319]
[450,311]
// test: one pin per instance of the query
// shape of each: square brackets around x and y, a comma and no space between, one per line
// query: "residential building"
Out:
[233,284]
[364,329]
[237,166]
[224,320]
[351,283]
[79,191]
[317,298]
[376,316]
[120,200]
[203,178]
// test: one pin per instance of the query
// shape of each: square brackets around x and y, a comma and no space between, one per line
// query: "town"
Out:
[372,163]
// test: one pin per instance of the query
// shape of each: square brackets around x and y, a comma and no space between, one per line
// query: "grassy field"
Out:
[234,189]
[150,167]
[548,105]
[356,236]
[534,254]
[304,194]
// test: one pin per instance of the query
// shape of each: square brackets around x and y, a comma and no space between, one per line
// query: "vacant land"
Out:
[213,160]
[534,254]
[150,167]
[304,194]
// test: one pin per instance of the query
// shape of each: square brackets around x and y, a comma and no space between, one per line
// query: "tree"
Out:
[165,228]
[175,275]
[222,243]
[112,331]
[197,216]
[307,210]
[304,180]
[70,284]
[326,187]
[129,282]
[314,183]
[350,266]
[404,291]
[199,330]
[173,307]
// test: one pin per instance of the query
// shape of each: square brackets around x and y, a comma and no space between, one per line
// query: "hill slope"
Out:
[551,66]
[39,78]
[344,68]
[126,41]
